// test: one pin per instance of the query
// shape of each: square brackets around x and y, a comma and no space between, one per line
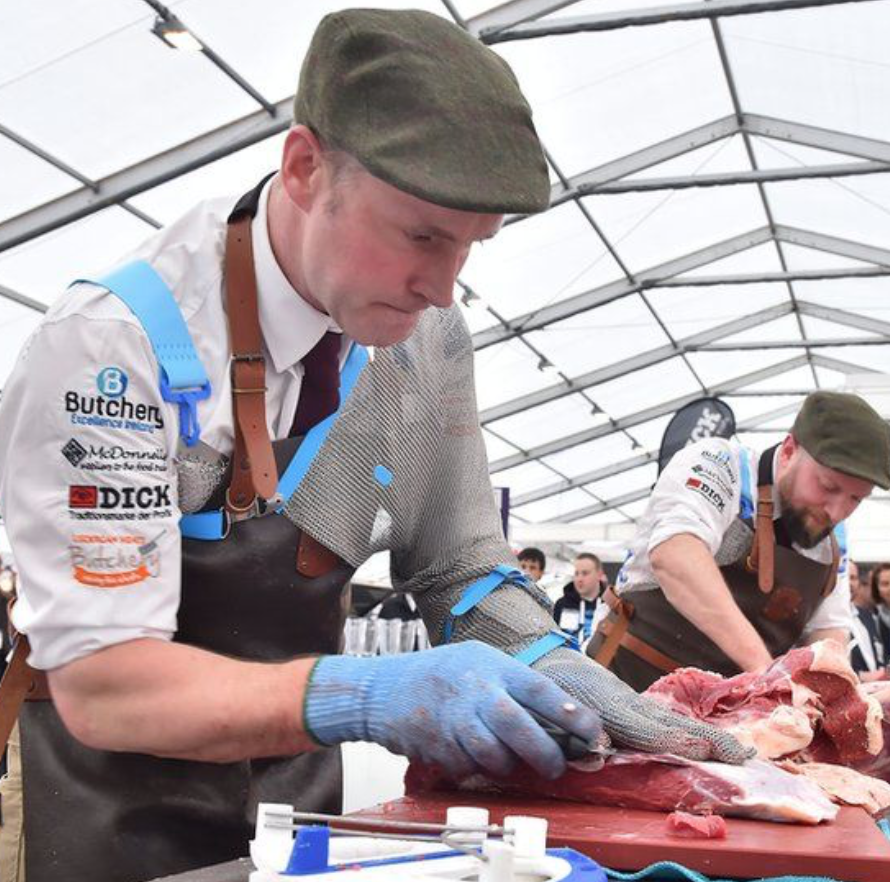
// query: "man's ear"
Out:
[302,167]
[788,449]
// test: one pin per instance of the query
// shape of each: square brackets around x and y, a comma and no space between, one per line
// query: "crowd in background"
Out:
[582,603]
[870,640]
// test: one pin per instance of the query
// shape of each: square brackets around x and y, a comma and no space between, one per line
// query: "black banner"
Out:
[704,418]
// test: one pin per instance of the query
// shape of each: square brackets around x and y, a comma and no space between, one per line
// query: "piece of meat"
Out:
[683,825]
[845,785]
[777,710]
[658,782]
[823,750]
[806,707]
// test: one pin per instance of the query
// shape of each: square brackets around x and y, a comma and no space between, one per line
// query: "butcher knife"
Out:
[573,747]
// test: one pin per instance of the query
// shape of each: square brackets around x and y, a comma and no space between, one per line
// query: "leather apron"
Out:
[98,816]
[779,614]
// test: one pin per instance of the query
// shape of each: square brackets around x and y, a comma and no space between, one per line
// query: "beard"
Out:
[805,528]
[802,528]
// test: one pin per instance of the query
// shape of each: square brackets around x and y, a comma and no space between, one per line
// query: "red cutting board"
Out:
[851,848]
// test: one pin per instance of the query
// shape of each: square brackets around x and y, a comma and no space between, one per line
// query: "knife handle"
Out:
[573,748]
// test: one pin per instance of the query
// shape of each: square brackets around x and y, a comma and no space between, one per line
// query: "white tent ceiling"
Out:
[720,219]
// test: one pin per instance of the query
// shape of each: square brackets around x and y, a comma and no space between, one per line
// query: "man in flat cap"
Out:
[740,556]
[198,454]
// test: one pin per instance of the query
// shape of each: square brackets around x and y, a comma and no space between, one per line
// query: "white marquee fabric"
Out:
[721,219]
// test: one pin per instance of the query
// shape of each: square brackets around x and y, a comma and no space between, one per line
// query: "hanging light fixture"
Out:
[175,34]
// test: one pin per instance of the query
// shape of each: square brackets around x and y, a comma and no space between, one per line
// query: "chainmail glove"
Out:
[633,720]
[462,707]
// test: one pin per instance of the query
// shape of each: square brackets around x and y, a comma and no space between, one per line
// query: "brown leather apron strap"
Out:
[649,654]
[615,631]
[835,566]
[254,474]
[614,628]
[763,551]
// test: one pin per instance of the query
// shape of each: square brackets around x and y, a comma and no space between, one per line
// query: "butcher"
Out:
[198,452]
[740,555]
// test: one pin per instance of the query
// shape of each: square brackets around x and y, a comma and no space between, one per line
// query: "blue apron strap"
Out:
[477,591]
[747,500]
[209,526]
[317,435]
[183,379]
[542,646]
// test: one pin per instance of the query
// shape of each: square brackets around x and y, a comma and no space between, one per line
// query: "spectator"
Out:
[532,562]
[575,611]
[867,654]
[880,594]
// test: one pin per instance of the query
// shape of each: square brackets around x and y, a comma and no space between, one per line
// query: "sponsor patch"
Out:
[92,502]
[723,459]
[74,452]
[113,561]
[114,458]
[717,478]
[707,491]
[81,496]
[111,409]
[112,382]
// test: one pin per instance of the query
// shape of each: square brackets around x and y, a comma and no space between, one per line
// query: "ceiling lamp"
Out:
[175,34]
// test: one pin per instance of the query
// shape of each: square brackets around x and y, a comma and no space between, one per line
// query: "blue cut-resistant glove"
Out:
[460,706]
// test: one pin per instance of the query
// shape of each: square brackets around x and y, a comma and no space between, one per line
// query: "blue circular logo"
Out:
[112,382]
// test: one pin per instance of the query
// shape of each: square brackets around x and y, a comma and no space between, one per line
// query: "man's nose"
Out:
[837,510]
[438,278]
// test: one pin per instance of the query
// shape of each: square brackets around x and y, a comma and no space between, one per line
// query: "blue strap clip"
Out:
[477,591]
[187,401]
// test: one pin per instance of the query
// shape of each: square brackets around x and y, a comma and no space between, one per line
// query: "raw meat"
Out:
[845,785]
[807,708]
[823,750]
[658,782]
[686,826]
[778,710]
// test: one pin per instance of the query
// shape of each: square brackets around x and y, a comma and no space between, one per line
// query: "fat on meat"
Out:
[806,710]
[807,693]
[659,782]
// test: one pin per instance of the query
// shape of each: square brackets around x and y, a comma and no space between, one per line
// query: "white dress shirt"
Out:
[88,488]
[700,493]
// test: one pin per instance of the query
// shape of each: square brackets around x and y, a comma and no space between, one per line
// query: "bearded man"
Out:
[740,556]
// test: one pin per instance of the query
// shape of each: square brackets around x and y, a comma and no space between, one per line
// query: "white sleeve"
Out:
[88,489]
[836,610]
[697,493]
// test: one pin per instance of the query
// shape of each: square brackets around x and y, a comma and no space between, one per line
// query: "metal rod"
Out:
[611,21]
[395,825]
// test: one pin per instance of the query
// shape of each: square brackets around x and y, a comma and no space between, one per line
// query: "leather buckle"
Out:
[256,508]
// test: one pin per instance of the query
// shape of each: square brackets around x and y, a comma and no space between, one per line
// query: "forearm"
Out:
[694,586]
[176,701]
[841,635]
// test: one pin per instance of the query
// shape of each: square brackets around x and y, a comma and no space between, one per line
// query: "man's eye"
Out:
[420,237]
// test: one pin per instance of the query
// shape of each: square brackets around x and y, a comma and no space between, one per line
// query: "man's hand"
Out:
[693,585]
[463,706]
[635,721]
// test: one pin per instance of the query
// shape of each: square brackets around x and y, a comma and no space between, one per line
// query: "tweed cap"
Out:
[845,433]
[425,107]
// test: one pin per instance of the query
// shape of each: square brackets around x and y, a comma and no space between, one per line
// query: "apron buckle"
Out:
[256,508]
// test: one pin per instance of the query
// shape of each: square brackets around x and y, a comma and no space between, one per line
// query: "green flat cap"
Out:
[845,433]
[425,107]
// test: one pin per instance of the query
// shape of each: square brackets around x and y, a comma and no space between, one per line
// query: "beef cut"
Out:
[658,782]
[807,711]
[808,691]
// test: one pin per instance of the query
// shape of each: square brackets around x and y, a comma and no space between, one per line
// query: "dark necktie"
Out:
[320,392]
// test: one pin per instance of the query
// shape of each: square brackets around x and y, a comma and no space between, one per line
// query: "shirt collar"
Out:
[290,325]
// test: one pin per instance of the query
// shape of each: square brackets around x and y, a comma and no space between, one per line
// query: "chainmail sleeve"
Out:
[405,469]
